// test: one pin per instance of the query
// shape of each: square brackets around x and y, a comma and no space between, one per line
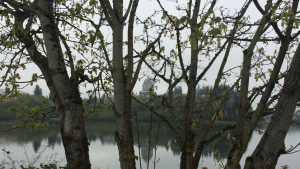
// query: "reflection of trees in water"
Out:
[146,151]
[54,140]
[36,145]
[104,131]
[165,137]
[222,143]
[107,139]
[223,146]
[294,129]
[92,137]
[176,152]
[25,136]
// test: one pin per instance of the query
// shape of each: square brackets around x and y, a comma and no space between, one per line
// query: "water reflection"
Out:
[146,152]
[54,140]
[103,132]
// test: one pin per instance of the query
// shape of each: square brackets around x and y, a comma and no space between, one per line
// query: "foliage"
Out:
[24,103]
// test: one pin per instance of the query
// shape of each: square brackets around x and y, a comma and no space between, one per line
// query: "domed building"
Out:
[148,84]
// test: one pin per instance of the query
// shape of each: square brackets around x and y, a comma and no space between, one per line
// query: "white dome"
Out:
[148,81]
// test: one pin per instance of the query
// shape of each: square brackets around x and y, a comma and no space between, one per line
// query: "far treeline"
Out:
[11,108]
[105,113]
[228,113]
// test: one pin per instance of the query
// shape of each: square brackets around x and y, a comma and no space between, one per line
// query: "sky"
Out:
[145,9]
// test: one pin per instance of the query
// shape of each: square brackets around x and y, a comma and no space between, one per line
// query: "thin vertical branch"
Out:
[138,136]
[155,147]
[149,140]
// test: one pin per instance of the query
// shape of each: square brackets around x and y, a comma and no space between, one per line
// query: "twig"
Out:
[155,147]
[149,140]
[138,135]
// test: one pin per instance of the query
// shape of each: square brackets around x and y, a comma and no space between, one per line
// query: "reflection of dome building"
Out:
[148,84]
[144,153]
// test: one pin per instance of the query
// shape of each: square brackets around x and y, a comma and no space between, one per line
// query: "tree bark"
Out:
[66,93]
[237,150]
[189,134]
[122,99]
[121,107]
[242,141]
[271,146]
[124,135]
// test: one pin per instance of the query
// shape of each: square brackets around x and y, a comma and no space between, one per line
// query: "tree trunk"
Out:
[74,137]
[271,146]
[243,133]
[197,157]
[189,133]
[70,111]
[124,137]
[122,100]
[122,83]
[68,102]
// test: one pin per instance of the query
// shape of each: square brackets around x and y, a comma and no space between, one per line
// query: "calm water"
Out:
[104,152]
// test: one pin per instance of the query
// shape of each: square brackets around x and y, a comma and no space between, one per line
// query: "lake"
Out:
[104,151]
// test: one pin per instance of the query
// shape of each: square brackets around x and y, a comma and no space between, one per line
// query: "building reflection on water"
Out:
[104,131]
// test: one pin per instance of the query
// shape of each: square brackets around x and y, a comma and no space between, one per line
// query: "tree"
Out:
[201,38]
[50,60]
[103,99]
[198,41]
[177,90]
[93,99]
[37,91]
[123,75]
[203,90]
[271,145]
[50,96]
[43,46]
[244,131]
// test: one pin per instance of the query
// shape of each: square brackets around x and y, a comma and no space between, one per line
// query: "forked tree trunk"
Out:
[236,152]
[189,133]
[122,80]
[122,102]
[271,146]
